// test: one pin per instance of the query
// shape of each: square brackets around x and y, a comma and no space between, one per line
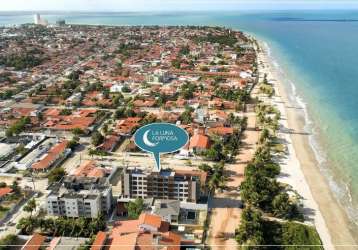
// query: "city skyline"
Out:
[170,5]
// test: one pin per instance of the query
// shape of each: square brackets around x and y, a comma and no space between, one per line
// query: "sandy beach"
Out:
[300,167]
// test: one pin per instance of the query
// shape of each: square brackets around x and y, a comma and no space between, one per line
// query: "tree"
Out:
[97,138]
[15,187]
[204,167]
[216,177]
[26,225]
[186,116]
[77,131]
[7,241]
[283,207]
[250,231]
[296,234]
[73,143]
[18,126]
[30,206]
[259,190]
[56,175]
[135,208]
[215,153]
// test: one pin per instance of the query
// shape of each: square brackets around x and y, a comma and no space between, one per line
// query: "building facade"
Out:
[166,184]
[80,197]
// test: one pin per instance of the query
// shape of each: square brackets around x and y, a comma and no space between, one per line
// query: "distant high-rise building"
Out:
[37,18]
[39,21]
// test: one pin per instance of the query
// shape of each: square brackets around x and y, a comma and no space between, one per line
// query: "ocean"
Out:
[318,52]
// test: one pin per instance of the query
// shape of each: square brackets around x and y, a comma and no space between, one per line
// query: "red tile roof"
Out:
[221,131]
[100,241]
[150,219]
[35,242]
[52,155]
[4,191]
[89,169]
[199,141]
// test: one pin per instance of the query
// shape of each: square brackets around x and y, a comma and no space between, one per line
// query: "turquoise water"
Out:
[318,52]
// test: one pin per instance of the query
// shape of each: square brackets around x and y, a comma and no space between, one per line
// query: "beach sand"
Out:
[300,167]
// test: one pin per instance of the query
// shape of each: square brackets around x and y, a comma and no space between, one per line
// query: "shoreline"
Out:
[300,169]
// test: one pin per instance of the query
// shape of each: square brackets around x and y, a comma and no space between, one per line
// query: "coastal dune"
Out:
[300,168]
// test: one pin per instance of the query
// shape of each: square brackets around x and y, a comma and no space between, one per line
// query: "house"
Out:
[35,242]
[54,156]
[127,125]
[147,232]
[110,143]
[4,191]
[168,210]
[89,169]
[100,241]
[221,131]
[199,143]
[60,243]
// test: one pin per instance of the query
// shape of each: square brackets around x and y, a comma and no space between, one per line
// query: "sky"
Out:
[172,5]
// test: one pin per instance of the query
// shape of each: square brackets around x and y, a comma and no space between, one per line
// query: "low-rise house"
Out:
[221,131]
[5,191]
[89,169]
[54,156]
[147,232]
[127,125]
[110,143]
[35,242]
[168,210]
[66,243]
[199,143]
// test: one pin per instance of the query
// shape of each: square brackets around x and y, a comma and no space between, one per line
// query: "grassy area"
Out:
[3,211]
[291,235]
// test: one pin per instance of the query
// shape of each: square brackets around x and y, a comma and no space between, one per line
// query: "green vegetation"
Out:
[61,226]
[184,50]
[124,112]
[186,116]
[216,175]
[176,63]
[56,175]
[73,143]
[267,89]
[18,126]
[98,152]
[21,61]
[78,132]
[7,94]
[240,95]
[30,206]
[97,138]
[7,241]
[250,232]
[227,39]
[66,112]
[187,90]
[263,194]
[254,230]
[87,245]
[135,208]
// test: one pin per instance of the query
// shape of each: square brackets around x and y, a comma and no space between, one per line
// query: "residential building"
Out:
[80,197]
[147,232]
[165,184]
[54,156]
